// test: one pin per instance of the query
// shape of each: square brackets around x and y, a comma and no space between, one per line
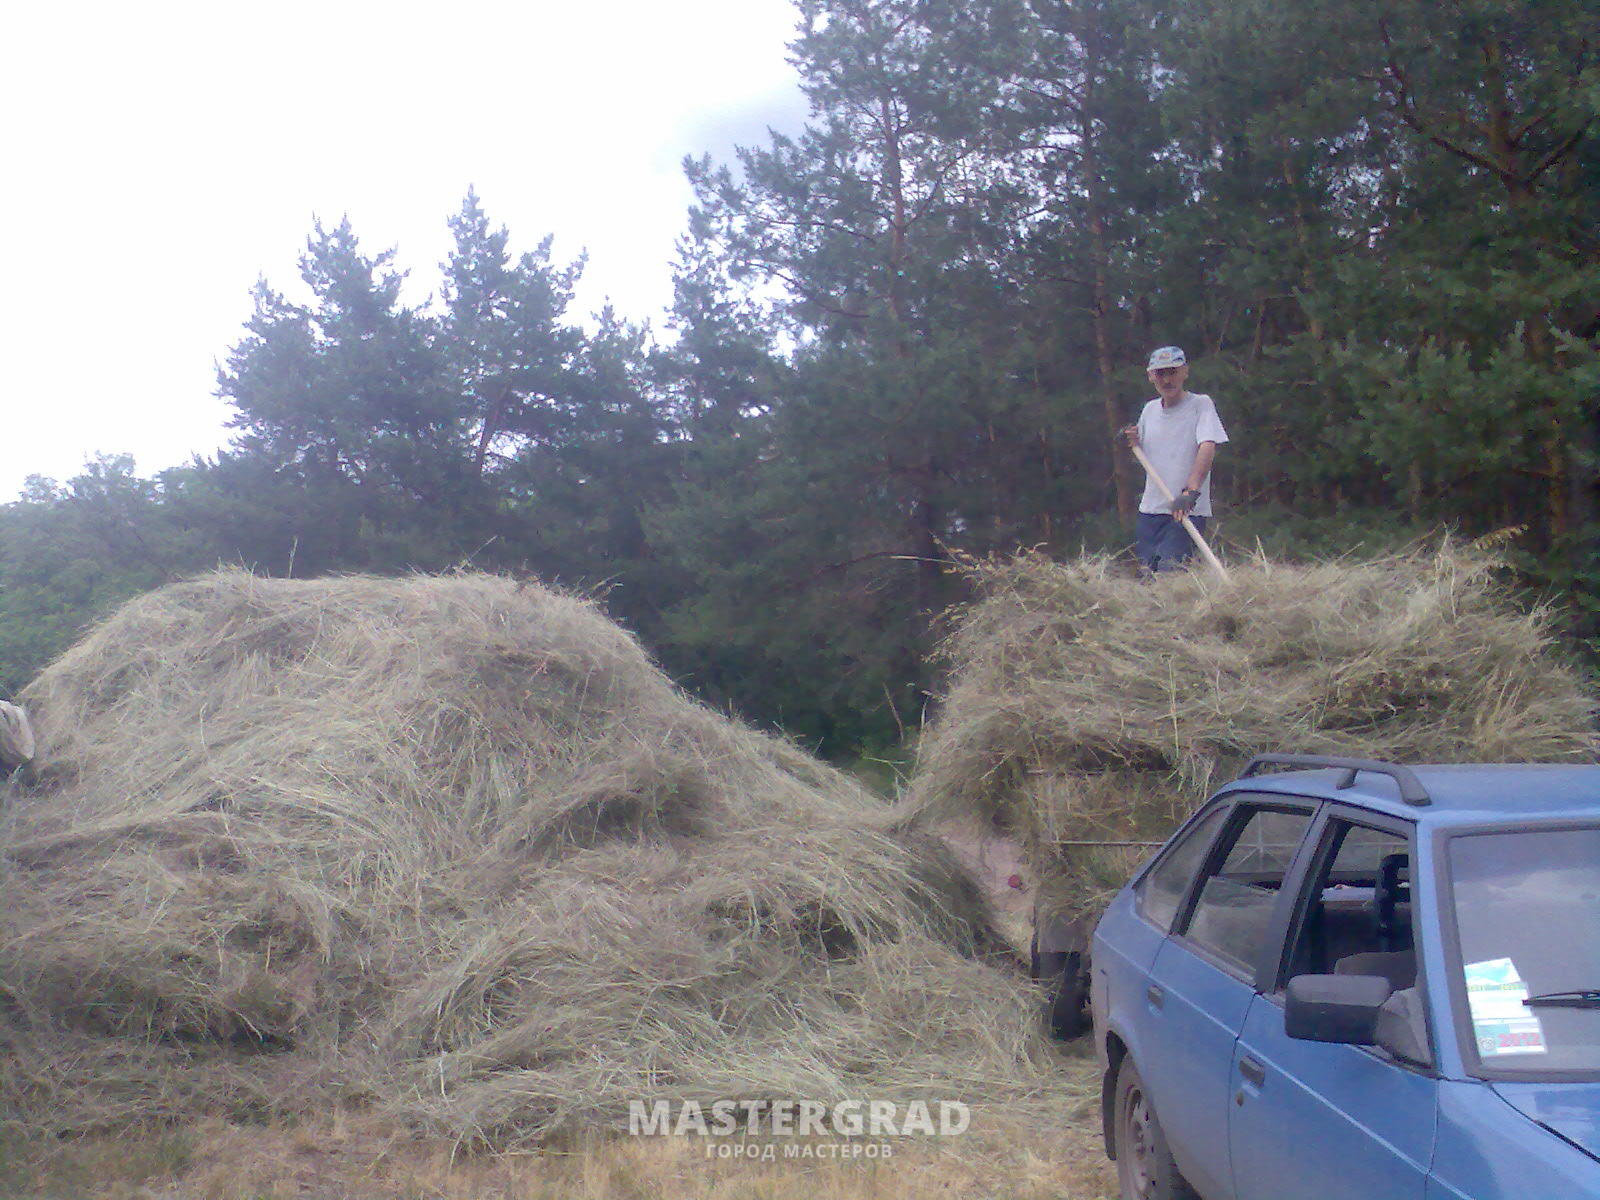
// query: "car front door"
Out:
[1203,980]
[1337,1122]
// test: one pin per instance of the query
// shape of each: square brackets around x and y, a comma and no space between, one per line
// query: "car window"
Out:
[1527,907]
[1233,913]
[1358,922]
[1361,852]
[1359,905]
[1161,890]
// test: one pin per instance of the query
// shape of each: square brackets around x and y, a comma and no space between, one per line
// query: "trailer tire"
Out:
[1067,1004]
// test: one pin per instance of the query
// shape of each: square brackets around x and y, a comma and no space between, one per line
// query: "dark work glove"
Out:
[1185,502]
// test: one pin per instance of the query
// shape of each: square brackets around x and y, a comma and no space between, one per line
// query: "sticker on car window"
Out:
[1501,1023]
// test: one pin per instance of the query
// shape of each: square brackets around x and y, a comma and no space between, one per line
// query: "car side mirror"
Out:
[1402,1028]
[1335,1008]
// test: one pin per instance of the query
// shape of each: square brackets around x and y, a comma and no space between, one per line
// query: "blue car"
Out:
[1353,979]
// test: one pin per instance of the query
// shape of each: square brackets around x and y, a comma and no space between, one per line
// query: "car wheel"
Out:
[1145,1170]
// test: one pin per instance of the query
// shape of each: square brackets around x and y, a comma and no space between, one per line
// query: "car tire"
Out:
[1067,1008]
[1145,1169]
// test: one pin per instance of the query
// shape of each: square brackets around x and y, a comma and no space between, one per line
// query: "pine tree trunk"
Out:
[1519,187]
[1120,469]
[1094,189]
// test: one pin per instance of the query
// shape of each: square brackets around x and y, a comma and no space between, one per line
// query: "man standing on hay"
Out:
[1179,432]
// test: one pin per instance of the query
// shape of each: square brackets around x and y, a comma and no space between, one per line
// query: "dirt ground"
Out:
[351,1156]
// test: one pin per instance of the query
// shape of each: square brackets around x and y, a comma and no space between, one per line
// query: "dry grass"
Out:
[454,850]
[1084,704]
[341,1156]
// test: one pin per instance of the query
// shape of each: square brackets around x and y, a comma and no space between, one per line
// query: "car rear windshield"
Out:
[1527,909]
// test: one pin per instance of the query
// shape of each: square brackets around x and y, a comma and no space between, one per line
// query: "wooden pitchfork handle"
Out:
[1199,541]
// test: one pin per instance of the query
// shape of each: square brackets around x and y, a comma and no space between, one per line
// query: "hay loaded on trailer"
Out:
[1087,712]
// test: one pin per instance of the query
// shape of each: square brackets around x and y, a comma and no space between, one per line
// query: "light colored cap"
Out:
[1166,356]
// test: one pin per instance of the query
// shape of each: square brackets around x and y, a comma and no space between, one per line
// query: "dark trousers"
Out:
[1164,544]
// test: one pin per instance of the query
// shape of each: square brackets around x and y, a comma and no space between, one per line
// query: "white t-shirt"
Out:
[1170,438]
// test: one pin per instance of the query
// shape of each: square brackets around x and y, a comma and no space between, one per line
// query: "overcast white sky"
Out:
[162,156]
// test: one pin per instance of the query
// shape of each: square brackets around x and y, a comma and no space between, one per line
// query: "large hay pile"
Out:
[455,845]
[1087,705]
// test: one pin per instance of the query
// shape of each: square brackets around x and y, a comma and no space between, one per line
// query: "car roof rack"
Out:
[1411,789]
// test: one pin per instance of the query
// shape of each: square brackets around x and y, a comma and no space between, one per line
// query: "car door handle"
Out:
[1155,995]
[1252,1071]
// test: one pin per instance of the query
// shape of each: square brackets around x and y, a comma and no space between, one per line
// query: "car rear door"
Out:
[1323,1121]
[1203,980]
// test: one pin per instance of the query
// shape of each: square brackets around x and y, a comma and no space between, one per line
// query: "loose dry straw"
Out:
[456,847]
[1084,705]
